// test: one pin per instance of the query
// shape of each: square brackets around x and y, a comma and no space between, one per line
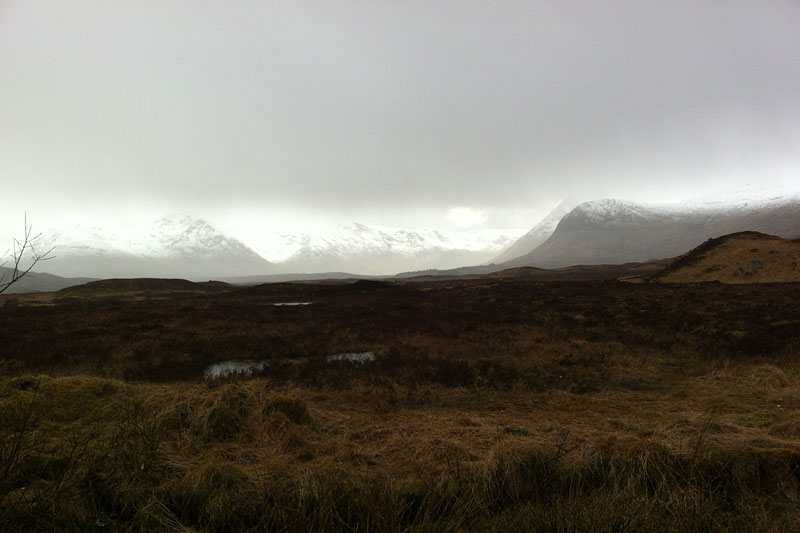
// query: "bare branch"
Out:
[27,246]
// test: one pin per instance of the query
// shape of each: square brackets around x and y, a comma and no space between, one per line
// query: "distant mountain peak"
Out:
[182,235]
[174,245]
[609,210]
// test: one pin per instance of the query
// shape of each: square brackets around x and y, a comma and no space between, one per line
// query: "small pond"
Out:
[248,366]
[353,357]
[227,368]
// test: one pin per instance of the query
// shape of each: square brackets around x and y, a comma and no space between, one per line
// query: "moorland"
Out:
[493,403]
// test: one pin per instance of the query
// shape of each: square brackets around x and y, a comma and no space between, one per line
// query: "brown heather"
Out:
[745,257]
[493,405]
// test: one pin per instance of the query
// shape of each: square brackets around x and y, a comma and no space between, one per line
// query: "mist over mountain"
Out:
[270,118]
[188,247]
[377,250]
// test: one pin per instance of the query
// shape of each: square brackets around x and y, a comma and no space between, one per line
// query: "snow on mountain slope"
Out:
[82,240]
[743,198]
[359,238]
[173,246]
[188,247]
[610,211]
[186,236]
[539,233]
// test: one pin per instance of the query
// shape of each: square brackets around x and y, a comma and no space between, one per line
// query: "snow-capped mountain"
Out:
[173,246]
[367,249]
[600,231]
[615,231]
[186,236]
[188,247]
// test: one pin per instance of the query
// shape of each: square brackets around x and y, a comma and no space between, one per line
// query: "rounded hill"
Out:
[744,257]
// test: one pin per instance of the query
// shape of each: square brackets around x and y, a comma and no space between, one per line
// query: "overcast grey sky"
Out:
[393,113]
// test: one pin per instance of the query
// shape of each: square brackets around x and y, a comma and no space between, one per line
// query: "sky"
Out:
[455,115]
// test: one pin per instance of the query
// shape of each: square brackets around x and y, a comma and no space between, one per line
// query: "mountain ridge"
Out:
[612,231]
[181,245]
[379,250]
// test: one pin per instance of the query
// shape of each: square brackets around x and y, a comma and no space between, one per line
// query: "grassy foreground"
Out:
[569,419]
[717,451]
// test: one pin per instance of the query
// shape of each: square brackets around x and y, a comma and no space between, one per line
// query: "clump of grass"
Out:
[517,473]
[293,408]
[224,417]
[217,496]
[769,376]
[789,429]
[25,382]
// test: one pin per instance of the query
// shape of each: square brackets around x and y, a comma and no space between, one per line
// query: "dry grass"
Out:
[574,407]
[714,451]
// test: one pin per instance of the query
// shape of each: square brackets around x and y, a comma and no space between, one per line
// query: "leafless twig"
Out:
[21,248]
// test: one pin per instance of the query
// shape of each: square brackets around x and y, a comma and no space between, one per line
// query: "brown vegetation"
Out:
[493,404]
[746,257]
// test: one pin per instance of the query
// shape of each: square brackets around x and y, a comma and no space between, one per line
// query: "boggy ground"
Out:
[492,405]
